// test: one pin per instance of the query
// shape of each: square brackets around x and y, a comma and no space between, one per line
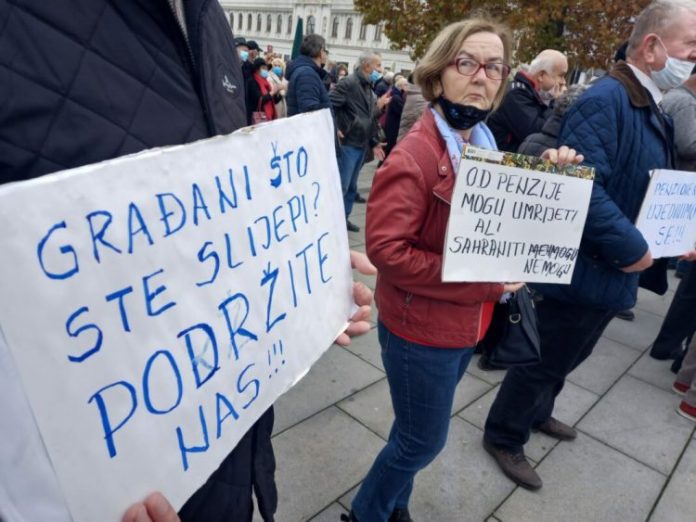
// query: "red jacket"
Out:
[407,218]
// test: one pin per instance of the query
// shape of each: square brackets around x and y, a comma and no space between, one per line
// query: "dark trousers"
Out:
[527,394]
[227,494]
[680,321]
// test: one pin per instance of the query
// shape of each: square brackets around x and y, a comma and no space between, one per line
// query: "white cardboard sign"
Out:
[515,224]
[667,217]
[156,305]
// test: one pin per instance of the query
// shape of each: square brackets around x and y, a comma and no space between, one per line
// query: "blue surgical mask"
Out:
[277,70]
[673,74]
[244,55]
[263,73]
[375,75]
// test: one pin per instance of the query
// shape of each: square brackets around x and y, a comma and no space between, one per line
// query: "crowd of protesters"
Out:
[639,117]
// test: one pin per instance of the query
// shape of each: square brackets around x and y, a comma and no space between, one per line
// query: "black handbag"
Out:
[513,336]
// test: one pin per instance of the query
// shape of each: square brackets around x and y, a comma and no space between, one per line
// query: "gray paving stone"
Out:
[318,460]
[490,377]
[638,334]
[638,419]
[337,374]
[461,484]
[571,405]
[586,481]
[372,406]
[367,348]
[678,500]
[602,369]
[356,242]
[654,372]
[330,514]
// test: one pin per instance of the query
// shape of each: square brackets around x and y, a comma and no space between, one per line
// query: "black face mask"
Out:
[461,117]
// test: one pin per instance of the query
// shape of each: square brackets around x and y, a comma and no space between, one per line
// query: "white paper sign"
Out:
[667,217]
[514,224]
[156,305]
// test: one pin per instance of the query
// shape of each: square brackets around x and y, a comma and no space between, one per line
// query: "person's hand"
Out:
[378,150]
[689,256]
[644,262]
[383,100]
[274,89]
[155,508]
[563,156]
[340,135]
[362,295]
[512,287]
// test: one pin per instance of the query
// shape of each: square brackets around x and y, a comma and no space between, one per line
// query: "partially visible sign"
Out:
[158,304]
[515,218]
[667,217]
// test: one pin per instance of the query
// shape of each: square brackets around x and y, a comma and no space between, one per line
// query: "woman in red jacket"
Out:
[261,95]
[427,328]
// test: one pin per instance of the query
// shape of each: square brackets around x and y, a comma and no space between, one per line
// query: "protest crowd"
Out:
[466,90]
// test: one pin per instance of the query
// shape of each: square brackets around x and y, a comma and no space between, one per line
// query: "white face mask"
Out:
[674,73]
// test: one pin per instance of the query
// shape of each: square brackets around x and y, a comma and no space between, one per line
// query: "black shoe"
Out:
[359,198]
[677,364]
[666,355]
[400,515]
[350,517]
[626,315]
[352,227]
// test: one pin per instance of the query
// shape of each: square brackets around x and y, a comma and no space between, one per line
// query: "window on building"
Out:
[378,33]
[334,28]
[240,22]
[269,23]
[363,31]
[232,20]
[310,24]
[249,19]
[258,23]
[289,24]
[279,24]
[349,29]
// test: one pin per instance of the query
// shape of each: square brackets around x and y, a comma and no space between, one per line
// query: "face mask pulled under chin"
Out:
[461,117]
[673,74]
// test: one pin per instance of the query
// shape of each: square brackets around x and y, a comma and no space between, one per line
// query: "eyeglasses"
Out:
[469,67]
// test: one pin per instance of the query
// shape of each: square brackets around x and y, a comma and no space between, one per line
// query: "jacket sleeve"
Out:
[684,119]
[590,128]
[339,95]
[308,91]
[521,114]
[395,215]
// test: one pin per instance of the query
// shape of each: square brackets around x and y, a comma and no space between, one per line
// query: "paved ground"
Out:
[634,460]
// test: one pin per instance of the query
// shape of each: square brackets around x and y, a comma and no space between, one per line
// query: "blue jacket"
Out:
[306,91]
[111,77]
[620,131]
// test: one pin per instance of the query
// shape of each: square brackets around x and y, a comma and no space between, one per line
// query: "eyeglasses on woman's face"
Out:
[469,67]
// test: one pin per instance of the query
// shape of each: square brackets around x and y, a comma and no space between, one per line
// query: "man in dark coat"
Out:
[305,74]
[617,126]
[525,107]
[125,76]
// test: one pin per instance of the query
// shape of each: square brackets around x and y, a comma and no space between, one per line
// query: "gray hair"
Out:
[568,98]
[312,44]
[366,57]
[657,18]
[546,60]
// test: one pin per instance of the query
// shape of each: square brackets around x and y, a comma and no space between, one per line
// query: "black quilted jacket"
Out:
[83,81]
[87,80]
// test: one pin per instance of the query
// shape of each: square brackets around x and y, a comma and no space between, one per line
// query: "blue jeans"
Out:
[527,395]
[349,165]
[422,380]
